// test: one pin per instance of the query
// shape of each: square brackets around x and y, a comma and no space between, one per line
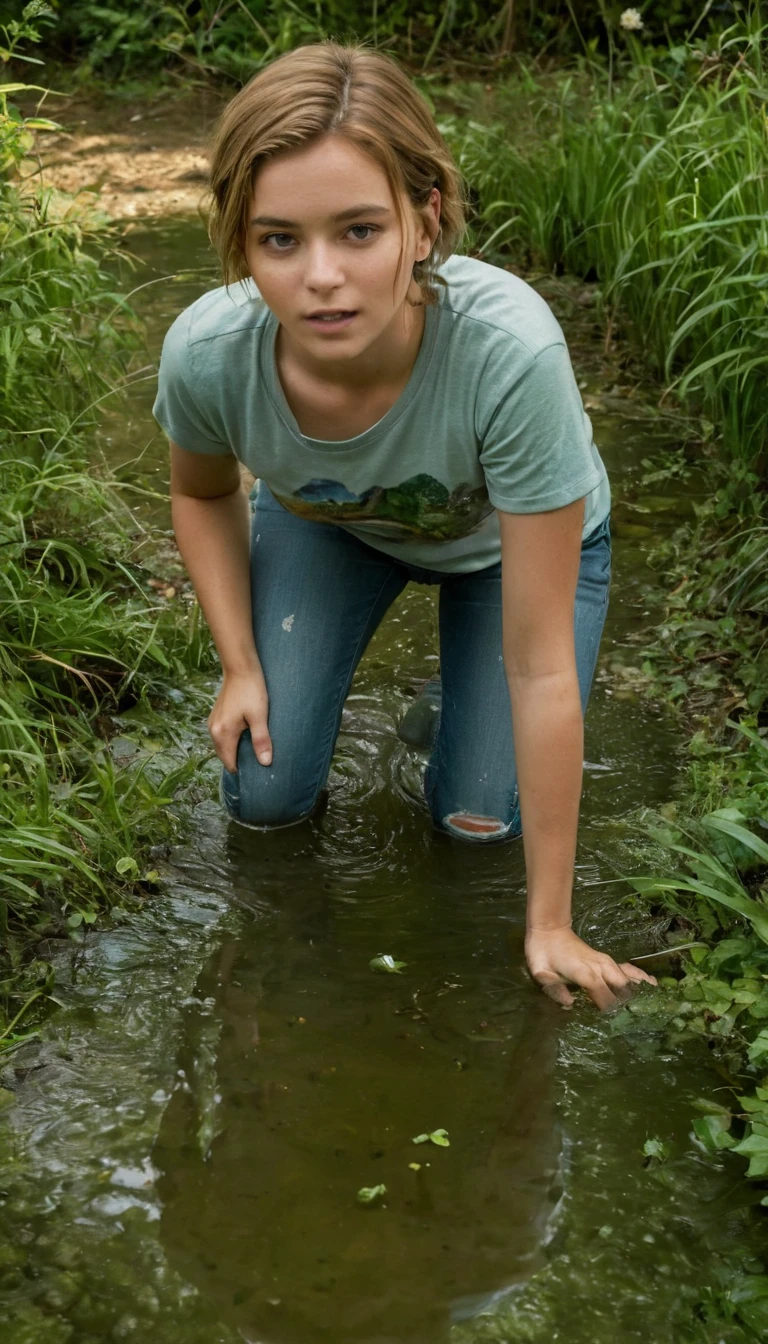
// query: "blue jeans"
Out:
[318,595]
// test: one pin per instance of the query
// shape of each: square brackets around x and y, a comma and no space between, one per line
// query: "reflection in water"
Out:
[323,1072]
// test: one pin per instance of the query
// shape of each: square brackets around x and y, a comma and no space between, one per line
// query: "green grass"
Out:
[88,650]
[655,185]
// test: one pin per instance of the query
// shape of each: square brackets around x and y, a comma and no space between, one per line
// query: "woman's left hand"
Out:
[555,956]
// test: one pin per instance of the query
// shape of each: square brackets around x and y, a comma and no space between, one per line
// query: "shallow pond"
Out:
[227,1070]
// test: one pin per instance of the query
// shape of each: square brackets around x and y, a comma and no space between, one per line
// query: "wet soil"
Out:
[133,159]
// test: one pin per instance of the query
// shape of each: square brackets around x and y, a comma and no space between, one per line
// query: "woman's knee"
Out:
[267,796]
[483,819]
[479,828]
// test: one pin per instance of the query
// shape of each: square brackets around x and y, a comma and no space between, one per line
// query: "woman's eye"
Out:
[367,229]
[284,239]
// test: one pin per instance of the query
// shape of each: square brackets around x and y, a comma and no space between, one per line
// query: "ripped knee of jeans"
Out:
[473,826]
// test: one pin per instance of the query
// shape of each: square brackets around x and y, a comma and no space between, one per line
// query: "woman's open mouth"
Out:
[332,320]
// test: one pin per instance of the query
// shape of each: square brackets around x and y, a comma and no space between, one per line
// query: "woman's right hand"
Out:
[242,703]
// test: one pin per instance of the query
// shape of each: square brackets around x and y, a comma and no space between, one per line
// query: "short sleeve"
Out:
[180,413]
[536,448]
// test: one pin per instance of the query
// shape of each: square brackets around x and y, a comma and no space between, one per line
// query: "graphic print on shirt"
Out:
[421,508]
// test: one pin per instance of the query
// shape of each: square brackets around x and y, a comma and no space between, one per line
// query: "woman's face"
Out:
[323,246]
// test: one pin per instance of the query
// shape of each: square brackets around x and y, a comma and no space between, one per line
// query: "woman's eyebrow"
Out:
[272,222]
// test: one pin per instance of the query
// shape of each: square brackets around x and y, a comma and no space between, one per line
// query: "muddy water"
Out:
[227,1071]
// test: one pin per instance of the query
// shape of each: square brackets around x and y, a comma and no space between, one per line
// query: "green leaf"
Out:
[440,1137]
[735,898]
[753,1104]
[126,865]
[5,89]
[725,814]
[368,1193]
[710,1107]
[656,1148]
[156,652]
[758,1050]
[712,1132]
[756,1145]
[726,826]
[385,962]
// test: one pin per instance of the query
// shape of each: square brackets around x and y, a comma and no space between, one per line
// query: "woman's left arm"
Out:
[540,555]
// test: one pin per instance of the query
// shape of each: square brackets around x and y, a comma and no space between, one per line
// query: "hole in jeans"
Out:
[470,823]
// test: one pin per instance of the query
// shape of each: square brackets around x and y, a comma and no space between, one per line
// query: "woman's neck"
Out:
[387,362]
[344,407]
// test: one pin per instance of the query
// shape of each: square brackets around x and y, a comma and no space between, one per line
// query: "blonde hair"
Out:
[322,89]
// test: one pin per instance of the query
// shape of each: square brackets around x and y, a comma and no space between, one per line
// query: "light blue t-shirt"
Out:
[490,418]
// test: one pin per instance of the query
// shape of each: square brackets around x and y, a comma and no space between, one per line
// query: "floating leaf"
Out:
[655,1148]
[438,1136]
[369,1193]
[415,1166]
[385,962]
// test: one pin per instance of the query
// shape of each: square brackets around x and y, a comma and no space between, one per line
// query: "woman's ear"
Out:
[431,218]
[430,222]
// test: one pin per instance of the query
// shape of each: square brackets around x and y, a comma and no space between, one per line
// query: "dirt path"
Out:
[149,157]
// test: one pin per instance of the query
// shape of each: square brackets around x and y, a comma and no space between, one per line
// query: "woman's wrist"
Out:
[549,911]
[247,665]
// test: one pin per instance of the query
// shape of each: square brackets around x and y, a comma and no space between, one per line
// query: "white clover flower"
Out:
[631,21]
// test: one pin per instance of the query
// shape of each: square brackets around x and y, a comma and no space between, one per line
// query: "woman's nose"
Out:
[323,270]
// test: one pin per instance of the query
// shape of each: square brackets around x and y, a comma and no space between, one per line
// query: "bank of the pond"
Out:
[95,751]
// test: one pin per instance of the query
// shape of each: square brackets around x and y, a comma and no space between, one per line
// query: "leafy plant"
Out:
[714,875]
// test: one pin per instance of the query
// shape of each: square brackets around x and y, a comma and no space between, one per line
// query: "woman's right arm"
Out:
[211,521]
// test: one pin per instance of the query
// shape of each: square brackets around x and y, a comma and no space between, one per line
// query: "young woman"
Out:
[409,414]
